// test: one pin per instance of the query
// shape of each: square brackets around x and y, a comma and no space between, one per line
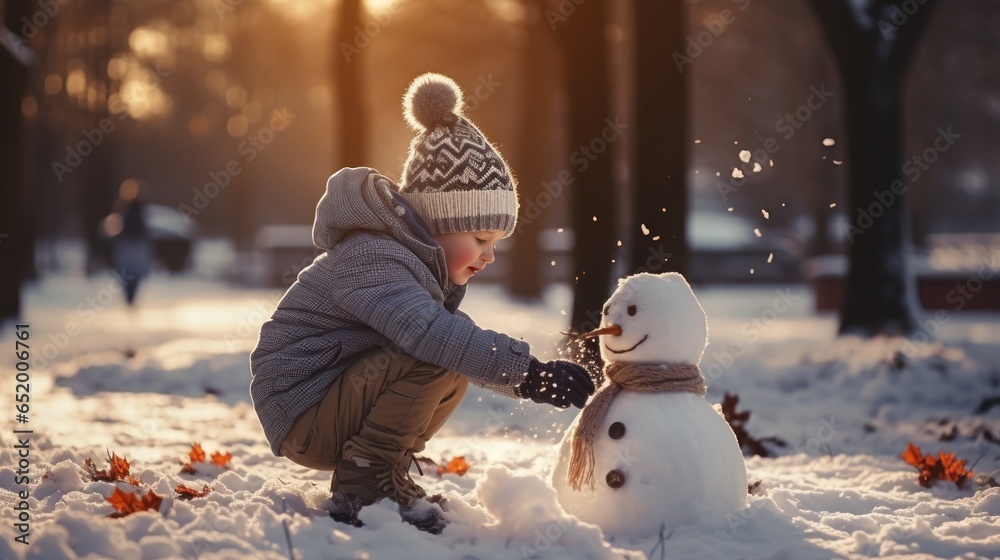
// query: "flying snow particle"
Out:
[697,141]
[837,162]
[745,156]
[770,257]
[756,231]
[553,263]
[595,218]
[751,271]
[560,230]
[645,230]
[756,167]
[619,242]
[833,205]
[656,238]
[766,215]
[771,162]
[829,141]
[730,209]
[737,174]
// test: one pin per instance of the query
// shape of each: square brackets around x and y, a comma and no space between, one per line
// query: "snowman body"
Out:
[662,459]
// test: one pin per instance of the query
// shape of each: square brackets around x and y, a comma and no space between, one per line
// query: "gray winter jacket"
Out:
[382,281]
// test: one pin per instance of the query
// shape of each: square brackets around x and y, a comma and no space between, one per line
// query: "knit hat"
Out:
[453,177]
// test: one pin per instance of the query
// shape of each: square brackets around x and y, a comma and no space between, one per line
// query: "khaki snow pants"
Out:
[387,404]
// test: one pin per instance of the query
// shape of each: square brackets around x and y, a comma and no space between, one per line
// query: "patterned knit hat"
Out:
[453,177]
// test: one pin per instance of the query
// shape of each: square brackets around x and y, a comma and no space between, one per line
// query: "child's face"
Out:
[468,252]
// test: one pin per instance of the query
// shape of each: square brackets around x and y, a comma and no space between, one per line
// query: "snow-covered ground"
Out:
[846,409]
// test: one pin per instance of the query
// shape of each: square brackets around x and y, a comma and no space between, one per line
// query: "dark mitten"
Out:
[559,383]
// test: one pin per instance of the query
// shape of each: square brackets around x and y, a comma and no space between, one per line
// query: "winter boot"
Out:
[371,479]
[345,509]
[425,514]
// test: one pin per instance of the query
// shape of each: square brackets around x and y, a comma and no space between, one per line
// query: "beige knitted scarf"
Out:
[644,378]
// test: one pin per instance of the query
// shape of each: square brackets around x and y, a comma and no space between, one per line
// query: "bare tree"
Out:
[874,43]
[15,61]
[537,103]
[581,35]
[659,181]
[346,71]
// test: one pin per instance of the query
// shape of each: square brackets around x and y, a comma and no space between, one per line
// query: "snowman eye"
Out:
[631,310]
[606,310]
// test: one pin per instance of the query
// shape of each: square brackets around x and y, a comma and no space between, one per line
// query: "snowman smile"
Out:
[610,349]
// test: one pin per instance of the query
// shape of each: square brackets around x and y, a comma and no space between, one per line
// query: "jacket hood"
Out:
[359,198]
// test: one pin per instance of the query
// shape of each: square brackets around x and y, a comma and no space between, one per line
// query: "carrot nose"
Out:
[611,329]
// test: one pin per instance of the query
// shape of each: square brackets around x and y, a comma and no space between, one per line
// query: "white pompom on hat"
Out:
[453,177]
[432,99]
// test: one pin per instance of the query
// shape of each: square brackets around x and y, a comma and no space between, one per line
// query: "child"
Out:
[367,354]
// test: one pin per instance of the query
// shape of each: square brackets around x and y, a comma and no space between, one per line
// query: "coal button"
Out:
[617,430]
[615,479]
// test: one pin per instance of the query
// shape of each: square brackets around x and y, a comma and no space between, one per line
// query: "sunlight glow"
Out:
[215,47]
[148,42]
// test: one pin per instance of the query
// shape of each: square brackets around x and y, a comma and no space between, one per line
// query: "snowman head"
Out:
[653,319]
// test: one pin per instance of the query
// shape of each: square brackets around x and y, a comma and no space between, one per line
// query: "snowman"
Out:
[648,452]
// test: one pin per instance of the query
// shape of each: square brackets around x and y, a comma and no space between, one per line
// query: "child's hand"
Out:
[559,383]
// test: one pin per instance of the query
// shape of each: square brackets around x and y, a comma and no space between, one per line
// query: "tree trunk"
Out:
[14,243]
[526,280]
[873,57]
[659,182]
[582,38]
[351,117]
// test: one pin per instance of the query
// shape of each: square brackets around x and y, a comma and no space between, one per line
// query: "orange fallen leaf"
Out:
[456,465]
[126,503]
[221,459]
[913,456]
[117,470]
[931,469]
[186,493]
[197,454]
